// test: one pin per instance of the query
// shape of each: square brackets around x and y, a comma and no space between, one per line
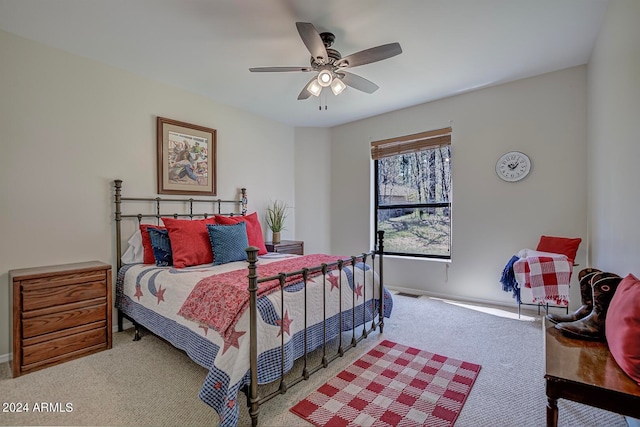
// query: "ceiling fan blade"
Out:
[304,94]
[358,82]
[311,39]
[368,56]
[278,69]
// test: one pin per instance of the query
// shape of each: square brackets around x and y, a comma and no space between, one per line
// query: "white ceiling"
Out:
[207,46]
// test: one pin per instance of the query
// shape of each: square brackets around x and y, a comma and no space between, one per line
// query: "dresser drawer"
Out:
[37,296]
[286,247]
[69,317]
[290,249]
[63,346]
[60,279]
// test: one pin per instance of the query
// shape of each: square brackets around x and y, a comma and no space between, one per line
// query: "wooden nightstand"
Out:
[286,247]
[60,313]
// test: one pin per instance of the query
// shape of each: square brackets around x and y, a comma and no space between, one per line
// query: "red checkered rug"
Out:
[392,385]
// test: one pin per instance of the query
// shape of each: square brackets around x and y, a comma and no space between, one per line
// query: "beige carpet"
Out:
[150,383]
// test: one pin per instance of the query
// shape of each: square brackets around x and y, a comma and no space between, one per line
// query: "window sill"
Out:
[446,261]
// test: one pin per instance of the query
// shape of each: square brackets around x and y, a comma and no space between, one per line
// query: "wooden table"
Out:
[585,372]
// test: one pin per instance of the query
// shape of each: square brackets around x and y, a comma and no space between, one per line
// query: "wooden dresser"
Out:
[60,313]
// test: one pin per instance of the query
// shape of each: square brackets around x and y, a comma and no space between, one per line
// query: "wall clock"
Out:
[513,166]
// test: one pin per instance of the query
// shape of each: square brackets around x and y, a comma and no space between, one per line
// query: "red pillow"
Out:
[559,245]
[622,326]
[147,250]
[254,229]
[190,242]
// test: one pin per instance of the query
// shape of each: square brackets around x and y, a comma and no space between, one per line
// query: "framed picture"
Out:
[186,158]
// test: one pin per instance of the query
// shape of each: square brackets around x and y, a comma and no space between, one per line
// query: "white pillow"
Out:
[525,253]
[134,253]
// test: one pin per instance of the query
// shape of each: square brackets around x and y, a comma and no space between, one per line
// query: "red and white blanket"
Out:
[218,301]
[547,275]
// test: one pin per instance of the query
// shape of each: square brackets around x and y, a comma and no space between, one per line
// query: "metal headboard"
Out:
[238,207]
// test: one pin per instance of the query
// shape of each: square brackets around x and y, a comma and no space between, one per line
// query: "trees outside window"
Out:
[413,194]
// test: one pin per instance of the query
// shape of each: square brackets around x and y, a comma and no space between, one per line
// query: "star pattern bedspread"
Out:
[154,295]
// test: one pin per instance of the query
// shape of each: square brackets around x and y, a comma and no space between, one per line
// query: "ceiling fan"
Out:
[331,66]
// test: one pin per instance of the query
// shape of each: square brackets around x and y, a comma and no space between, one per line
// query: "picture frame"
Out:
[186,158]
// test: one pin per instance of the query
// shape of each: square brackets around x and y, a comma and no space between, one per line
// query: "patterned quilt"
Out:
[154,295]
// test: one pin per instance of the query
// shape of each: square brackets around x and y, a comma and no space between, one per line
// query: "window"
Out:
[413,193]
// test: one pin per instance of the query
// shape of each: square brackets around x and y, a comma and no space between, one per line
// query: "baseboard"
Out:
[5,357]
[482,301]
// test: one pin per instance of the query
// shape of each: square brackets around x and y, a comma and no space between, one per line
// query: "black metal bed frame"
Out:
[251,390]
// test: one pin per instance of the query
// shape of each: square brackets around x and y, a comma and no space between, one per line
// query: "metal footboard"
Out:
[253,399]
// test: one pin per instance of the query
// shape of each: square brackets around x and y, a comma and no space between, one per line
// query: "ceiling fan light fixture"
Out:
[337,86]
[325,78]
[314,88]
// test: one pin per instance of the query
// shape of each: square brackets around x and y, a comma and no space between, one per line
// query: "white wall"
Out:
[70,126]
[313,185]
[614,141]
[543,116]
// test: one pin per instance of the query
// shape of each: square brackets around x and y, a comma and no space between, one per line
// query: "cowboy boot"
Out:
[591,327]
[586,297]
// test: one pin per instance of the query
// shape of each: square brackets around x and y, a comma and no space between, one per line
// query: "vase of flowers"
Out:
[276,214]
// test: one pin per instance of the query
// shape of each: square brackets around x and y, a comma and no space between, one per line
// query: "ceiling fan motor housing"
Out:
[327,39]
[333,55]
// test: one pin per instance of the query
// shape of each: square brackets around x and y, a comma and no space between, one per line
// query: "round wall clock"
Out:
[513,166]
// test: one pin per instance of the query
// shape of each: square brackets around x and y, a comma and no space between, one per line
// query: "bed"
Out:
[246,321]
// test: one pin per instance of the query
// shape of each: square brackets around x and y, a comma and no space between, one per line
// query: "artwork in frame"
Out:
[186,158]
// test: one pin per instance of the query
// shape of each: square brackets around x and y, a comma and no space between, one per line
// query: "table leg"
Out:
[552,412]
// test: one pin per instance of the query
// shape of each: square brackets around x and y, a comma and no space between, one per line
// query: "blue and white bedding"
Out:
[153,295]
